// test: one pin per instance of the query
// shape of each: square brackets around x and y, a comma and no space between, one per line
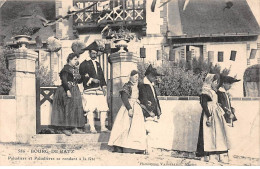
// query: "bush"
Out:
[6,75]
[45,76]
[199,66]
[183,78]
[77,47]
[53,44]
[178,81]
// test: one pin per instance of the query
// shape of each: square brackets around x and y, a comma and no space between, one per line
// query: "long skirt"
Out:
[67,111]
[129,132]
[213,139]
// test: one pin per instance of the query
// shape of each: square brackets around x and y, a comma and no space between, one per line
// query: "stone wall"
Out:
[7,118]
[178,127]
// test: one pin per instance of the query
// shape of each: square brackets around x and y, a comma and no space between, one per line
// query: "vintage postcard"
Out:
[129,83]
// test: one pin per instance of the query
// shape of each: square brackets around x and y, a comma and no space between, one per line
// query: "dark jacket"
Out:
[125,94]
[87,67]
[147,98]
[225,104]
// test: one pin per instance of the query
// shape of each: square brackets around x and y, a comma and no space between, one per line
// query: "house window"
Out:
[253,53]
[233,55]
[220,56]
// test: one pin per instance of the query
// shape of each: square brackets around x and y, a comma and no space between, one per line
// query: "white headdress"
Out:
[206,88]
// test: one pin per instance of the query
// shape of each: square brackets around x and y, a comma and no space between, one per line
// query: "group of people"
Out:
[217,113]
[141,109]
[138,115]
[70,107]
[135,119]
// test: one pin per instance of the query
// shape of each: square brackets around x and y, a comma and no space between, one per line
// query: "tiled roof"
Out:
[211,18]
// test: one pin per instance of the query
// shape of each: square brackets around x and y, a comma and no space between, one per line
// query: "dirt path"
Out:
[68,154]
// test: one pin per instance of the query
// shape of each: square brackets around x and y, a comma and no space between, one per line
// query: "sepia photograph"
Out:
[129,82]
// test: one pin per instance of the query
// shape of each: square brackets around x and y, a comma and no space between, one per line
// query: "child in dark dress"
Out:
[224,99]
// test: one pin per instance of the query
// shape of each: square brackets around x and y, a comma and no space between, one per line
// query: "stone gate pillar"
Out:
[122,63]
[22,61]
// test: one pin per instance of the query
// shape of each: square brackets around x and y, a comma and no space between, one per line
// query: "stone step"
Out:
[88,138]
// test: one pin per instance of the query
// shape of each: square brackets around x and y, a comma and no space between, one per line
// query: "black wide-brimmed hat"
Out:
[93,46]
[228,79]
[151,70]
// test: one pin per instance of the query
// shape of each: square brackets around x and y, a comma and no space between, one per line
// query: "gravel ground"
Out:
[95,154]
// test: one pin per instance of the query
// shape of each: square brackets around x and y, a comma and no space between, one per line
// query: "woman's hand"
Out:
[68,93]
[231,116]
[152,114]
[92,80]
[233,110]
[130,112]
[209,121]
[95,80]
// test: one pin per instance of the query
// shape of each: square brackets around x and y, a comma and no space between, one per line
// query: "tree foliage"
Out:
[6,75]
[183,78]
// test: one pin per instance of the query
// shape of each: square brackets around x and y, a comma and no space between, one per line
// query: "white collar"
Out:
[146,81]
[222,89]
[132,82]
[88,59]
[135,84]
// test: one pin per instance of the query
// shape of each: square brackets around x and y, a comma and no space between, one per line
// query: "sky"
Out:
[255,7]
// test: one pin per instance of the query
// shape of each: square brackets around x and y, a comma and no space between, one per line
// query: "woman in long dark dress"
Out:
[213,137]
[67,111]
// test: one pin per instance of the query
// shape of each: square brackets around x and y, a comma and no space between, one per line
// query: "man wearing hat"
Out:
[224,100]
[147,95]
[94,94]
[150,103]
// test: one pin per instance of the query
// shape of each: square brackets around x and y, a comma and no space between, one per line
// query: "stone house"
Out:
[222,33]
